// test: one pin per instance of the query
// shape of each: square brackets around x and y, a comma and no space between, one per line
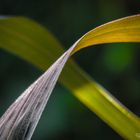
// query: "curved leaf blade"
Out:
[122,30]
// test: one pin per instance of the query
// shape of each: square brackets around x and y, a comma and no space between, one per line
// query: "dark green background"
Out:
[114,66]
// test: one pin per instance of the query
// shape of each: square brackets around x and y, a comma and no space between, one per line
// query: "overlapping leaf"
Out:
[33,43]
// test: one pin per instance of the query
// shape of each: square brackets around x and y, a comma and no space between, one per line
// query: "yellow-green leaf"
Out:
[121,30]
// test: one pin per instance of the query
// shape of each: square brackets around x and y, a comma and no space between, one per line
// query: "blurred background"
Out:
[115,66]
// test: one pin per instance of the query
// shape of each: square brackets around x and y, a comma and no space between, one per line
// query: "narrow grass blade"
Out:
[20,120]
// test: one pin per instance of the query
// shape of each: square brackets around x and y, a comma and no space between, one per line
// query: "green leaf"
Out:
[35,44]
